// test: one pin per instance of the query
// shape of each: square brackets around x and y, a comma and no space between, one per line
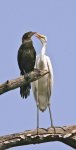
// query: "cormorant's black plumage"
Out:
[26,60]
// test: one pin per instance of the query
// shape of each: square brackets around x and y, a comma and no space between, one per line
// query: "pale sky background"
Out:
[57,20]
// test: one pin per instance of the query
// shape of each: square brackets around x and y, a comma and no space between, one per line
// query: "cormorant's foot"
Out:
[26,76]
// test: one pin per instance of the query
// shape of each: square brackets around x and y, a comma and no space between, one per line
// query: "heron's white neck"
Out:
[43,50]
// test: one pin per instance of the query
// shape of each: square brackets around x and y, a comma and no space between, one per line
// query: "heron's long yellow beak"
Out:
[40,36]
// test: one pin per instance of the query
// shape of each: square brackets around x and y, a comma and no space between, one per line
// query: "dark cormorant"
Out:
[26,60]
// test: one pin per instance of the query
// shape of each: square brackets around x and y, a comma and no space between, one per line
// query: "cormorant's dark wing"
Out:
[34,53]
[19,59]
[26,61]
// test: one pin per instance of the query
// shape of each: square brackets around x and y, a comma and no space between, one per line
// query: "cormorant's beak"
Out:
[40,36]
[33,33]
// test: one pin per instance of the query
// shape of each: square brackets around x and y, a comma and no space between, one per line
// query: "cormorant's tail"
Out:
[25,90]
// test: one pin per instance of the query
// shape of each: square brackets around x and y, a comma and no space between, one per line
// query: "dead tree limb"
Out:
[66,134]
[15,83]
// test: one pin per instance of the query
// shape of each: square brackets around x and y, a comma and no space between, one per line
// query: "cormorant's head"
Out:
[27,36]
[42,38]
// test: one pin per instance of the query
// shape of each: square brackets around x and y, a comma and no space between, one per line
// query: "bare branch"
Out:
[15,83]
[65,134]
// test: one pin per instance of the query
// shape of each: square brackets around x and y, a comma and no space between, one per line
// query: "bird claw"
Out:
[54,129]
[26,76]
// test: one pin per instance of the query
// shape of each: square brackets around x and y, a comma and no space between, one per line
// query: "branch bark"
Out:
[15,83]
[65,134]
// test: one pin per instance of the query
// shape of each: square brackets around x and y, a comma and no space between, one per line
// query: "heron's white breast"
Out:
[42,63]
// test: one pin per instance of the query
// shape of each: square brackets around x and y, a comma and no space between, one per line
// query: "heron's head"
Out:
[27,36]
[42,38]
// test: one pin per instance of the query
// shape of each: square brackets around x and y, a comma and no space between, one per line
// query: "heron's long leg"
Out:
[50,116]
[37,116]
[48,96]
[51,119]
[37,111]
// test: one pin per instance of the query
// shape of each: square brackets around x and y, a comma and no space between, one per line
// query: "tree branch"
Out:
[65,134]
[15,83]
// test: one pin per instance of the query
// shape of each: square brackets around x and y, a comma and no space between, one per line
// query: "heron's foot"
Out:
[61,128]
[52,126]
[37,130]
